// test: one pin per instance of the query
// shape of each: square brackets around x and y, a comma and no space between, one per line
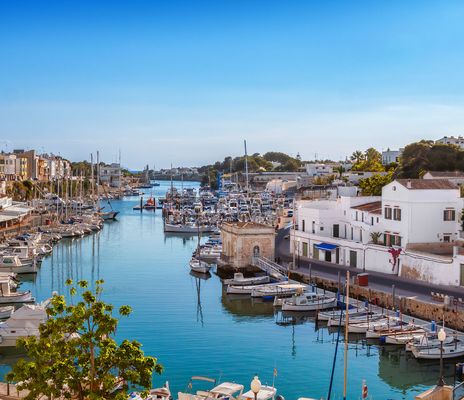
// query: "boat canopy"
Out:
[227,388]
[326,246]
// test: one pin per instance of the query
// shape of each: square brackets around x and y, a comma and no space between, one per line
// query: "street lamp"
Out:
[255,386]
[441,339]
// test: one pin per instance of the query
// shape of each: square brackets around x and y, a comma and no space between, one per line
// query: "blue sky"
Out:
[186,82]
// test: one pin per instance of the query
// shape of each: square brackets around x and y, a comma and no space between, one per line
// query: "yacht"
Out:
[308,302]
[199,266]
[12,263]
[7,296]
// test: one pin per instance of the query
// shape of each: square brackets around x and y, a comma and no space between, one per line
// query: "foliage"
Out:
[324,180]
[276,156]
[375,237]
[20,190]
[76,356]
[373,185]
[370,160]
[419,157]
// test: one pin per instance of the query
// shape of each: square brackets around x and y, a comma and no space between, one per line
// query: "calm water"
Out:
[195,329]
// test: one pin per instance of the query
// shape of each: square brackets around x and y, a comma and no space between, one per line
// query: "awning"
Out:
[326,246]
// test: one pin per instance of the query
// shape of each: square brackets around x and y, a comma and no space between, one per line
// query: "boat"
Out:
[335,314]
[7,296]
[452,350]
[6,311]
[403,337]
[24,322]
[375,332]
[10,263]
[353,318]
[163,393]
[108,215]
[265,393]
[245,289]
[225,390]
[200,266]
[240,280]
[280,289]
[308,302]
[187,228]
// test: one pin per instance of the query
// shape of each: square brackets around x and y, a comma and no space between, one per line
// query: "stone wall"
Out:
[453,318]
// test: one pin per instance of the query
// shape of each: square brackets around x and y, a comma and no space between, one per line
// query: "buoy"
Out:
[364,390]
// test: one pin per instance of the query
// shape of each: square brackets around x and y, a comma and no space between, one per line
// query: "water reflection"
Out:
[243,306]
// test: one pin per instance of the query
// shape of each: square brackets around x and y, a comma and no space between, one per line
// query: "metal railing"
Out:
[458,392]
[268,266]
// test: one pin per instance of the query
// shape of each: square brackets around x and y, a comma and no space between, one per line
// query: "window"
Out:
[449,215]
[397,214]
[362,217]
[447,237]
[356,216]
[303,225]
[336,230]
[372,220]
[352,233]
[391,240]
[388,213]
[314,227]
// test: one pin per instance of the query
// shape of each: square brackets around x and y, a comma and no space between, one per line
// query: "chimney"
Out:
[408,184]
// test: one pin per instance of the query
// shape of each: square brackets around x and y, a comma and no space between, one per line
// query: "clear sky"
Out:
[186,82]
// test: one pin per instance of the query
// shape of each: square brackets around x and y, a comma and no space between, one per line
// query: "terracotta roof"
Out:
[424,184]
[447,174]
[374,207]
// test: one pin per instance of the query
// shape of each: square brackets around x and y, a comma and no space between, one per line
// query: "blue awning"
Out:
[326,246]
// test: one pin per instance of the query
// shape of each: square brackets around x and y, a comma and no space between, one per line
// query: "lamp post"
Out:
[441,339]
[255,386]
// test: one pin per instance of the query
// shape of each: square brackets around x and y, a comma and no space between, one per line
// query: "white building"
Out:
[354,177]
[391,156]
[417,218]
[458,141]
[314,169]
[8,166]
[110,175]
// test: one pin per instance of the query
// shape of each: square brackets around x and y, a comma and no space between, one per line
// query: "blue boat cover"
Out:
[326,246]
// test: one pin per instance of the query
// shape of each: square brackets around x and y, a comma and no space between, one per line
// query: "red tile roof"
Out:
[426,184]
[375,207]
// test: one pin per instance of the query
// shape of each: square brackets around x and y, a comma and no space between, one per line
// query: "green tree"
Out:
[75,354]
[373,185]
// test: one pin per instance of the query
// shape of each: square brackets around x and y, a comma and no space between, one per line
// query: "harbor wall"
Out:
[452,316]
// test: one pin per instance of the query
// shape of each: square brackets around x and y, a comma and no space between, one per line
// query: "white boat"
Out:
[163,393]
[265,393]
[24,322]
[199,266]
[225,390]
[9,297]
[11,263]
[429,341]
[187,228]
[6,311]
[308,302]
[372,323]
[108,215]
[354,318]
[245,289]
[280,289]
[240,280]
[452,350]
[401,338]
[376,332]
[335,314]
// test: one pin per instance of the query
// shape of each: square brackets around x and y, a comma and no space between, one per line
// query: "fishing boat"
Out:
[353,318]
[308,302]
[376,332]
[335,314]
[403,337]
[281,289]
[6,311]
[452,350]
[108,215]
[430,340]
[240,280]
[265,393]
[225,390]
[200,266]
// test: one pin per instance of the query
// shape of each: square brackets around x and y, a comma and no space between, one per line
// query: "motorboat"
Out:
[403,337]
[200,266]
[108,215]
[308,302]
[353,318]
[188,228]
[24,322]
[6,311]
[265,393]
[246,289]
[12,263]
[7,296]
[225,390]
[163,393]
[377,332]
[240,280]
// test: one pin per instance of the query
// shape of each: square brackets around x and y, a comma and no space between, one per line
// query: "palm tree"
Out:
[357,156]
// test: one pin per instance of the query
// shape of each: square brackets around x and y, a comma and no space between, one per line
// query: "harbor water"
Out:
[194,328]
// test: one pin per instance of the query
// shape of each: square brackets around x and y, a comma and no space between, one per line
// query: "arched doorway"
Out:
[256,251]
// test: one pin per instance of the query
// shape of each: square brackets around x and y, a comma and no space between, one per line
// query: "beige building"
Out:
[241,241]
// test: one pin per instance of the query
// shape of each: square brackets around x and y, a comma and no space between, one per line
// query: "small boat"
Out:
[376,332]
[10,263]
[108,215]
[6,312]
[163,393]
[199,266]
[353,318]
[308,302]
[240,280]
[335,314]
[188,228]
[453,350]
[401,338]
[225,390]
[281,289]
[245,289]
[265,393]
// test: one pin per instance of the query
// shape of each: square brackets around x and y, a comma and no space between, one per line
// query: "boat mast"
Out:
[347,317]
[246,165]
[98,178]
[92,183]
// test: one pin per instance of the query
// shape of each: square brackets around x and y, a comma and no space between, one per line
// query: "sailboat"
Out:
[196,264]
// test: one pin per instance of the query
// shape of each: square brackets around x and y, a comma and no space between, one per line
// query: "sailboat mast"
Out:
[347,317]
[246,165]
